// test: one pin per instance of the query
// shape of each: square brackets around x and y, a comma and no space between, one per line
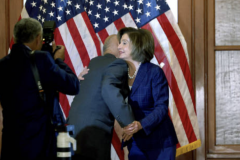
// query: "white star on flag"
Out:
[125,6]
[157,7]
[116,3]
[99,6]
[97,15]
[41,7]
[53,4]
[147,14]
[96,25]
[44,10]
[107,9]
[59,18]
[105,19]
[115,12]
[91,3]
[68,12]
[69,3]
[60,8]
[77,6]
[140,2]
[130,7]
[51,14]
[33,4]
[137,20]
[139,10]
[89,12]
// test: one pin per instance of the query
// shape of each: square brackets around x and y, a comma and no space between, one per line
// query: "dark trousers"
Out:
[154,154]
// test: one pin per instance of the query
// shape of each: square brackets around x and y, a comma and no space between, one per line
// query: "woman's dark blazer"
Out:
[149,101]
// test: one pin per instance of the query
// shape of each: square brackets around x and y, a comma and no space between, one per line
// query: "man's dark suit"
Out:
[99,102]
[27,129]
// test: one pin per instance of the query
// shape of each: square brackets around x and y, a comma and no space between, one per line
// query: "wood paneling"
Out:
[15,11]
[9,13]
[200,68]
[185,23]
[3,27]
[210,73]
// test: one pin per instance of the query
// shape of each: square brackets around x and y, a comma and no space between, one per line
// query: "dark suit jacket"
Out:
[99,102]
[27,130]
[149,101]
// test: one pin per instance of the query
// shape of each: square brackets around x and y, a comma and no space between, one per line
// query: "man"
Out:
[99,102]
[28,132]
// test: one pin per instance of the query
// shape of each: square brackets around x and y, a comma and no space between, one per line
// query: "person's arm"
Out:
[160,94]
[58,75]
[112,82]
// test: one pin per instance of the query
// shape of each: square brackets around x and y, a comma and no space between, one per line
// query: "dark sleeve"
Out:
[160,94]
[114,75]
[59,76]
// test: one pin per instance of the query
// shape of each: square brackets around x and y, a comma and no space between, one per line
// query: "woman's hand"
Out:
[129,130]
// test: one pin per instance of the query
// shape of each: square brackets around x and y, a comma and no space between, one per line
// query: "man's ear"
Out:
[38,42]
[39,39]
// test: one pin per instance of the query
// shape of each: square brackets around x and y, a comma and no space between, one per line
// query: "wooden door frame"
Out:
[215,151]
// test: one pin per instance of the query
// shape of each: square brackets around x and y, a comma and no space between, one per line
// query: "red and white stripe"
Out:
[82,44]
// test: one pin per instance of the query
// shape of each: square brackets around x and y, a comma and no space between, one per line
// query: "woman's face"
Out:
[125,48]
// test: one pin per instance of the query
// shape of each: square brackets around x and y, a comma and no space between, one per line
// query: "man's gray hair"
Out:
[26,30]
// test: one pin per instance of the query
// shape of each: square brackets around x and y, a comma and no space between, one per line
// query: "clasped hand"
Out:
[129,130]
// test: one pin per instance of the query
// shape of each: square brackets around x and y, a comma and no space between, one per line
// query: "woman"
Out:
[154,135]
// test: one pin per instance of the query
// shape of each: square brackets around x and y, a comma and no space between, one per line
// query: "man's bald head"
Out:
[111,45]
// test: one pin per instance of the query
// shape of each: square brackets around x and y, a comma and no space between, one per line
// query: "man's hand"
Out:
[129,130]
[126,137]
[60,52]
[84,71]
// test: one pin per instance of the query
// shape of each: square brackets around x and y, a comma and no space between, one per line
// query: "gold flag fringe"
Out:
[189,147]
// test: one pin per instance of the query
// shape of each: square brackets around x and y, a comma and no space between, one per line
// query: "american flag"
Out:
[82,27]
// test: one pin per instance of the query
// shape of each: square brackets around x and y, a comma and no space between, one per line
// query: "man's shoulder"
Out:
[107,61]
[42,53]
[108,58]
[3,61]
[43,56]
[118,65]
[120,61]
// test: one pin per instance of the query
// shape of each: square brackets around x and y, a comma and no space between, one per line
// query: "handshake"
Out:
[130,129]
